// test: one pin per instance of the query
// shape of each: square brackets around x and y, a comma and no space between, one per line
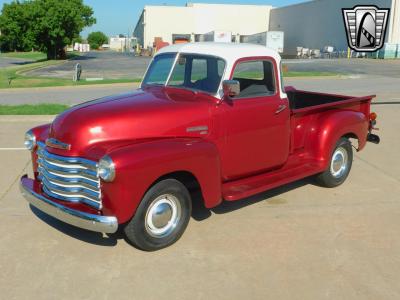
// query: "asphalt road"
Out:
[370,67]
[12,62]
[109,64]
[299,241]
[97,64]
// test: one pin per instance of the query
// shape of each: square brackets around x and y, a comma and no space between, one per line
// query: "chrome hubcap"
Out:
[339,162]
[163,215]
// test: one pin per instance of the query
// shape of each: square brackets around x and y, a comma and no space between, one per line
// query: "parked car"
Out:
[209,118]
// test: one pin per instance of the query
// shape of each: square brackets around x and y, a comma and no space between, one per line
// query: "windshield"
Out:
[159,69]
[193,71]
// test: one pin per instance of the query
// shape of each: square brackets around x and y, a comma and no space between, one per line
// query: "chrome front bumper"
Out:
[73,217]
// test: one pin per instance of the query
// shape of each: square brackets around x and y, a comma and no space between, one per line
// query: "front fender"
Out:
[138,166]
[330,127]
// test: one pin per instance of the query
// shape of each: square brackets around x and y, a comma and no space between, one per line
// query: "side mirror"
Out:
[231,88]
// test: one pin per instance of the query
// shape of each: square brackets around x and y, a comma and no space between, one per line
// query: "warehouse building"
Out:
[313,24]
[178,23]
[319,23]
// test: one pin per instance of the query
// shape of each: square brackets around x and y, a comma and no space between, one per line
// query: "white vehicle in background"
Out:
[217,36]
[271,39]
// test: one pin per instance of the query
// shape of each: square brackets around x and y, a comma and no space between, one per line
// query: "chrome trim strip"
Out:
[68,159]
[65,164]
[197,128]
[70,171]
[71,190]
[75,199]
[69,180]
[53,143]
[106,224]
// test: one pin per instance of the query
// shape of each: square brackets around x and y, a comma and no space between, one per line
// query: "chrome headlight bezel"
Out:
[106,169]
[30,140]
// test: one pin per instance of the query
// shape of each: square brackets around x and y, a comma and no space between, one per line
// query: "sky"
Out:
[120,16]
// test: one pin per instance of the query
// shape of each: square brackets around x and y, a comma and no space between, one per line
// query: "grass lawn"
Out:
[13,77]
[39,109]
[309,74]
[35,56]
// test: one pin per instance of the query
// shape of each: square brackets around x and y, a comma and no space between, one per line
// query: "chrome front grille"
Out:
[70,179]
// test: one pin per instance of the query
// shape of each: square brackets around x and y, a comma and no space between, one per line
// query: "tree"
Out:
[58,23]
[15,20]
[96,39]
[47,25]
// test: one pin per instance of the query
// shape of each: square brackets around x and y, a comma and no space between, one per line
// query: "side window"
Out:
[256,78]
[199,70]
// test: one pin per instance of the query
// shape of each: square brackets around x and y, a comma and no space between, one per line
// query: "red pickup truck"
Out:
[213,118]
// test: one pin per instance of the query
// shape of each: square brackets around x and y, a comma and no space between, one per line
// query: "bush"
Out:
[96,39]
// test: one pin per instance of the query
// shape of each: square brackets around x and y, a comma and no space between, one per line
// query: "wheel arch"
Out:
[334,125]
[195,163]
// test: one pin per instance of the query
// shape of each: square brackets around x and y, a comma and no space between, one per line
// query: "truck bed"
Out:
[301,101]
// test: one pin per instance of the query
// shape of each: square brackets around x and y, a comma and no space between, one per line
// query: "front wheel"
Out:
[161,217]
[339,166]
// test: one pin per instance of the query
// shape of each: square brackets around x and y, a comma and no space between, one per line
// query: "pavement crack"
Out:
[378,169]
[2,196]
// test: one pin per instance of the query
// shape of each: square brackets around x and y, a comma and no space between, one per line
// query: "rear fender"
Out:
[330,127]
[139,166]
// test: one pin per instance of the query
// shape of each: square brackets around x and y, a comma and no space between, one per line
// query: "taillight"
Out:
[372,118]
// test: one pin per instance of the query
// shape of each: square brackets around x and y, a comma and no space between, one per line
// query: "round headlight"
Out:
[30,140]
[106,169]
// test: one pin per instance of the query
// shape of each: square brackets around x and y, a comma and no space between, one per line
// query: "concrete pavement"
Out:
[299,241]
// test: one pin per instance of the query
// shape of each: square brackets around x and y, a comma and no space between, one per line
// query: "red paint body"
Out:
[247,148]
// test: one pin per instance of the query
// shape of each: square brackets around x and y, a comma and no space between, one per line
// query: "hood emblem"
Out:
[53,143]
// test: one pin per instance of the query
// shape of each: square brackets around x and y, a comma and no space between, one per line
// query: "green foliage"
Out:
[39,109]
[96,39]
[77,39]
[15,20]
[45,25]
[33,56]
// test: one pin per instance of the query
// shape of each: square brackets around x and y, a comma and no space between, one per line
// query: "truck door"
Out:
[257,121]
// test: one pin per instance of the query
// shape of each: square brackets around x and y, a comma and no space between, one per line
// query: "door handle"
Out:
[280,109]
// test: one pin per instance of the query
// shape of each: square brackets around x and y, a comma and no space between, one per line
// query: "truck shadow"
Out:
[200,212]
[78,233]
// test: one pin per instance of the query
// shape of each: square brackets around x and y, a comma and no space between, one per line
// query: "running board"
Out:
[243,188]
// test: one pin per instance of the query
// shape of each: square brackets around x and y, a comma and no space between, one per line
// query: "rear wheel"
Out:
[161,217]
[339,166]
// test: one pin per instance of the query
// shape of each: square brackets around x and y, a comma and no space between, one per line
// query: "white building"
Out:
[122,43]
[170,22]
[313,24]
[319,23]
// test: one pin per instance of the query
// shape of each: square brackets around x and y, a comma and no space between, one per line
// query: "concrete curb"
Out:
[26,118]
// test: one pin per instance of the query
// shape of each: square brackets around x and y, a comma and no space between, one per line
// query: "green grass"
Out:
[309,74]
[39,109]
[35,56]
[14,77]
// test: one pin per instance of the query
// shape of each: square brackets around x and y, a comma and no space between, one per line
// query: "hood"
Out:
[92,128]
